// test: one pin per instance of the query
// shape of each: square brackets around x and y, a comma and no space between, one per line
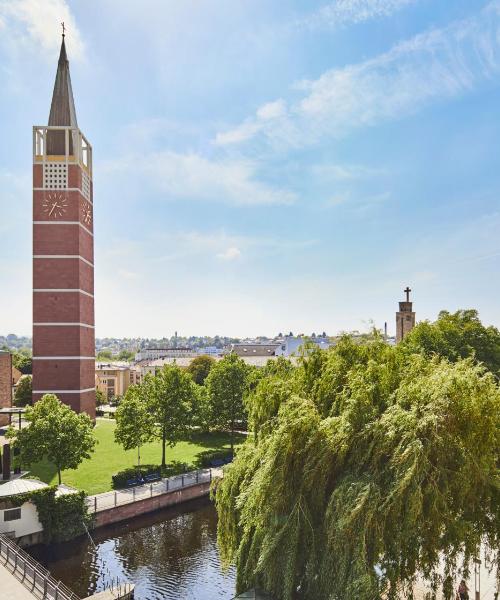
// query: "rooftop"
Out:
[20,486]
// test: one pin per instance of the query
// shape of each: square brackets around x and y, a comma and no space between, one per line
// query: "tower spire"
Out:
[62,108]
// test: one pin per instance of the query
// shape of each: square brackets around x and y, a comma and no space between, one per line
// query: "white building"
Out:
[21,522]
[291,344]
[158,353]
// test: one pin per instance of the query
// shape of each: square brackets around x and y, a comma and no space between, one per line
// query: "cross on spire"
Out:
[63,28]
[407,292]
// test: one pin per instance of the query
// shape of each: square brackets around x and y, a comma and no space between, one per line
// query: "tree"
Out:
[56,432]
[100,398]
[23,362]
[170,397]
[104,355]
[127,355]
[457,335]
[23,392]
[134,423]
[226,387]
[372,467]
[200,368]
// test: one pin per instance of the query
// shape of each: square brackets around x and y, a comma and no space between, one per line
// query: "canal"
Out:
[170,554]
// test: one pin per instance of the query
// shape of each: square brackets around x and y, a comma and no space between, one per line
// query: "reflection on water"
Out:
[168,554]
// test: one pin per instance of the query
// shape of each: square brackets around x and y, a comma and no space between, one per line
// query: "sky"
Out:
[264,166]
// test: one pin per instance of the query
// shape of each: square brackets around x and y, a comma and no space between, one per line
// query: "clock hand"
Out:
[52,209]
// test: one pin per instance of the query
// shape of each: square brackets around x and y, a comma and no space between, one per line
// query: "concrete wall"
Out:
[134,509]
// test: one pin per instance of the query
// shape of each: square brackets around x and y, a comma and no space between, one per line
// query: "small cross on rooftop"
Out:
[407,292]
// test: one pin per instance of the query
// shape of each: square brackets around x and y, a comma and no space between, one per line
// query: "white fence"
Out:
[149,490]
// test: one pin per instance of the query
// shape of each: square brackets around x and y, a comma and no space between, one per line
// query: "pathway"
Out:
[108,500]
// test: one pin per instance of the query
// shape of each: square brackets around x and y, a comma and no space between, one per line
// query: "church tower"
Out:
[63,254]
[405,317]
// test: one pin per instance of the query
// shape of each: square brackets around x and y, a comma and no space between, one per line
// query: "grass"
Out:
[94,475]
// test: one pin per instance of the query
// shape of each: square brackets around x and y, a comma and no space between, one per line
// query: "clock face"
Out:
[55,205]
[86,213]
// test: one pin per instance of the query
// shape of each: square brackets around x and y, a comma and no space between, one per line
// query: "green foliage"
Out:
[120,479]
[226,386]
[63,517]
[205,458]
[104,355]
[23,393]
[127,355]
[134,423]
[94,475]
[170,397]
[54,431]
[100,398]
[455,336]
[22,361]
[370,466]
[200,368]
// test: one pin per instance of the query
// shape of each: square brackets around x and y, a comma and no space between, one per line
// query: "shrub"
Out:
[120,479]
[205,458]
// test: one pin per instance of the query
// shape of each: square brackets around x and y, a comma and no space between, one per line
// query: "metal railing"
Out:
[31,574]
[109,500]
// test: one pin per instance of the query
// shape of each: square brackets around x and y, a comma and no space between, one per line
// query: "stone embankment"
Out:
[120,505]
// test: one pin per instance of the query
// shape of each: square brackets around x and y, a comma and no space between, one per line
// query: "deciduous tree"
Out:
[23,393]
[373,466]
[226,387]
[200,368]
[55,431]
[170,396]
[134,422]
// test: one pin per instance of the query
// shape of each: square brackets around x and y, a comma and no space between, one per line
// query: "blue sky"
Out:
[264,165]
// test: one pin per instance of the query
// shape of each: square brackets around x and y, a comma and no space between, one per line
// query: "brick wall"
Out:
[5,384]
[147,505]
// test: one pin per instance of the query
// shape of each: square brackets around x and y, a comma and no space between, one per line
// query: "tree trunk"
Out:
[59,475]
[138,456]
[232,436]
[163,444]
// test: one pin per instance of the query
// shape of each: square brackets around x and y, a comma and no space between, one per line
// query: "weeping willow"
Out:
[368,467]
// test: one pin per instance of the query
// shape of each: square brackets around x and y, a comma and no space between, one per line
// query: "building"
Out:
[112,380]
[63,254]
[245,350]
[158,353]
[22,522]
[291,344]
[405,317]
[5,385]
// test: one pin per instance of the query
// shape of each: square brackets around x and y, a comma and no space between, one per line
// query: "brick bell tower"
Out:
[405,317]
[63,254]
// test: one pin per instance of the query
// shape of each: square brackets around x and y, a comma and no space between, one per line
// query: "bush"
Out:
[205,458]
[120,479]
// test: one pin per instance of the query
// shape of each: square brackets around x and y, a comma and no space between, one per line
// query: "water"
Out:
[170,554]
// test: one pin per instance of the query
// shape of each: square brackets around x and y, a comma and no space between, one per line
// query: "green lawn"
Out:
[94,475]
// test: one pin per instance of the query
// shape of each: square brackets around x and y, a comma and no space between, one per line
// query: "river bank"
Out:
[168,554]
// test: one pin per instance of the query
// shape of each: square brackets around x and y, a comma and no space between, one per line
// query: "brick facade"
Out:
[147,505]
[5,385]
[63,254]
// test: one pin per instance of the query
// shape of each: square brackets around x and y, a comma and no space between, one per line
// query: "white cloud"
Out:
[193,176]
[265,116]
[231,253]
[434,66]
[343,12]
[38,22]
